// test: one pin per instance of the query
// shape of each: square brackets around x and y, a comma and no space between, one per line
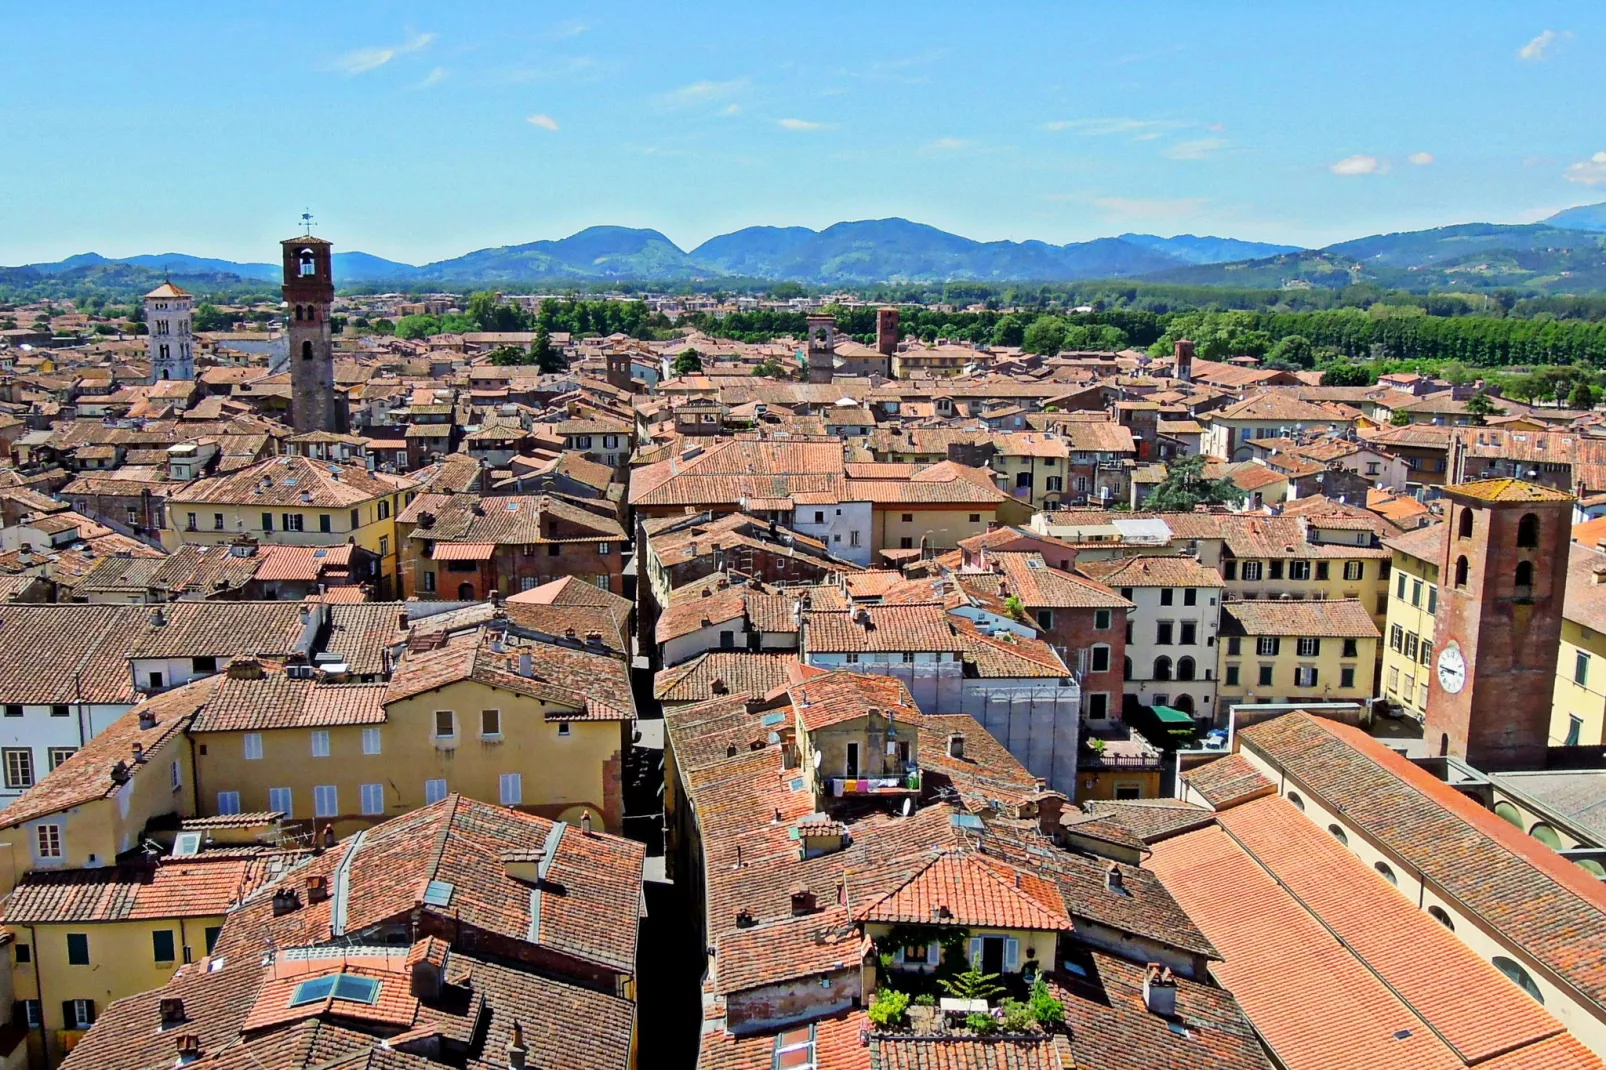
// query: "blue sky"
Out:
[422,131]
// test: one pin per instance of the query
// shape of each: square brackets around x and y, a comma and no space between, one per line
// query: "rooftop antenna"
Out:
[306,222]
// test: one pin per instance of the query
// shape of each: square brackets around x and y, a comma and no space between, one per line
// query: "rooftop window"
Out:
[344,986]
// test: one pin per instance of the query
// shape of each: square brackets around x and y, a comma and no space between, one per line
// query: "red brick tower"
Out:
[886,331]
[309,294]
[1497,630]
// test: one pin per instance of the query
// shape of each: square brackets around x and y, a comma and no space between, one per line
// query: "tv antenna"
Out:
[306,222]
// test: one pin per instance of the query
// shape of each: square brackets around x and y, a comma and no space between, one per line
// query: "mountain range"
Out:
[1565,252]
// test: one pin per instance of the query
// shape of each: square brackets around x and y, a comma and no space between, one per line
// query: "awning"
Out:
[1165,713]
[464,551]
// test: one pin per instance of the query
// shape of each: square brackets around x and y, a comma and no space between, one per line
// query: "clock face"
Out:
[1452,668]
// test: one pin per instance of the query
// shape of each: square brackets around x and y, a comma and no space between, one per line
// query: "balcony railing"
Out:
[886,784]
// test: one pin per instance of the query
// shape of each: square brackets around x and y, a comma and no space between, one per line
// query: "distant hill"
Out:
[1562,254]
[1207,250]
[1584,217]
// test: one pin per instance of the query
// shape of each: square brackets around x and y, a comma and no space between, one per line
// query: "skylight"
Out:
[345,986]
[187,843]
[439,893]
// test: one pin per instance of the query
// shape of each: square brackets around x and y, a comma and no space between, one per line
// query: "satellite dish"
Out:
[908,807]
[817,757]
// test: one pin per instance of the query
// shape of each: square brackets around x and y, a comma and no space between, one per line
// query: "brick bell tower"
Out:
[1497,630]
[309,294]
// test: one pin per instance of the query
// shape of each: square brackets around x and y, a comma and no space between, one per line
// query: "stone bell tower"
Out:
[309,294]
[821,355]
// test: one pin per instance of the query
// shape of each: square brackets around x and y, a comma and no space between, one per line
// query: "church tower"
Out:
[309,294]
[821,354]
[167,319]
[1497,629]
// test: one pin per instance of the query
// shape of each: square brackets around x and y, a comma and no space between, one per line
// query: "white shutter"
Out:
[1012,954]
[975,951]
[934,954]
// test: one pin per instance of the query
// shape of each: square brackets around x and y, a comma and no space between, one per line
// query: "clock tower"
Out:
[1502,583]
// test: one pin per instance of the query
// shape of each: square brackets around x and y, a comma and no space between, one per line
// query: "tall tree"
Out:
[1185,486]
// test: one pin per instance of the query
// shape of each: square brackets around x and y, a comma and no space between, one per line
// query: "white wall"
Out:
[837,527]
[1143,650]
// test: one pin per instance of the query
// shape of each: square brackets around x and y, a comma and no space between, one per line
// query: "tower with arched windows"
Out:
[309,294]
[1498,626]
[167,324]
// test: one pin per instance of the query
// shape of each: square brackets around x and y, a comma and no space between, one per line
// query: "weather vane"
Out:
[306,222]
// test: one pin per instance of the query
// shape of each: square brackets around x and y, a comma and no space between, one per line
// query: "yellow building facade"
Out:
[1296,652]
[1408,629]
[295,501]
[1578,707]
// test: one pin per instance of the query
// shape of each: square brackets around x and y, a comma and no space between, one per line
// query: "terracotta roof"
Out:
[1508,490]
[833,697]
[588,685]
[1151,571]
[275,700]
[1424,543]
[718,672]
[1484,862]
[1338,618]
[88,774]
[1151,820]
[221,629]
[968,888]
[1394,989]
[515,518]
[1228,781]
[291,481]
[188,887]
[68,653]
[1039,586]
[897,628]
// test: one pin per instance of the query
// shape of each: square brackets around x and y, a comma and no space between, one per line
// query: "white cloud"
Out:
[1197,149]
[1544,46]
[731,109]
[949,144]
[363,60]
[1142,128]
[701,93]
[1591,172]
[1154,208]
[1357,165]
[433,78]
[798,124]
[1421,159]
[545,122]
[564,30]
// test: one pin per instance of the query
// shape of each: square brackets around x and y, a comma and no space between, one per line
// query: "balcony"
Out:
[906,783]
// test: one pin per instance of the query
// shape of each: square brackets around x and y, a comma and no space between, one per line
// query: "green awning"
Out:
[1174,716]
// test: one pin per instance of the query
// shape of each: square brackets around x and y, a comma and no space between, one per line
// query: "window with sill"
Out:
[491,723]
[1100,659]
[444,728]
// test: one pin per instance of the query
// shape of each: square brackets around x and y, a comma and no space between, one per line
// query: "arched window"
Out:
[1528,531]
[1525,573]
[1444,744]
[1437,914]
[1185,669]
[1162,668]
[1518,976]
[1126,668]
[465,592]
[1465,529]
[1388,874]
[306,354]
[309,264]
[310,313]
[1299,804]
[298,313]
[1546,835]
[1509,812]
[1589,865]
[1339,834]
[1183,702]
[1461,571]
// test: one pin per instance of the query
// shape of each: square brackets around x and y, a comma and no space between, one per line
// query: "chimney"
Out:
[285,901]
[744,919]
[1160,990]
[802,902]
[172,1012]
[401,621]
[328,837]
[524,663]
[147,720]
[585,823]
[158,618]
[1112,879]
[515,1048]
[956,745]
[189,1048]
[317,888]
